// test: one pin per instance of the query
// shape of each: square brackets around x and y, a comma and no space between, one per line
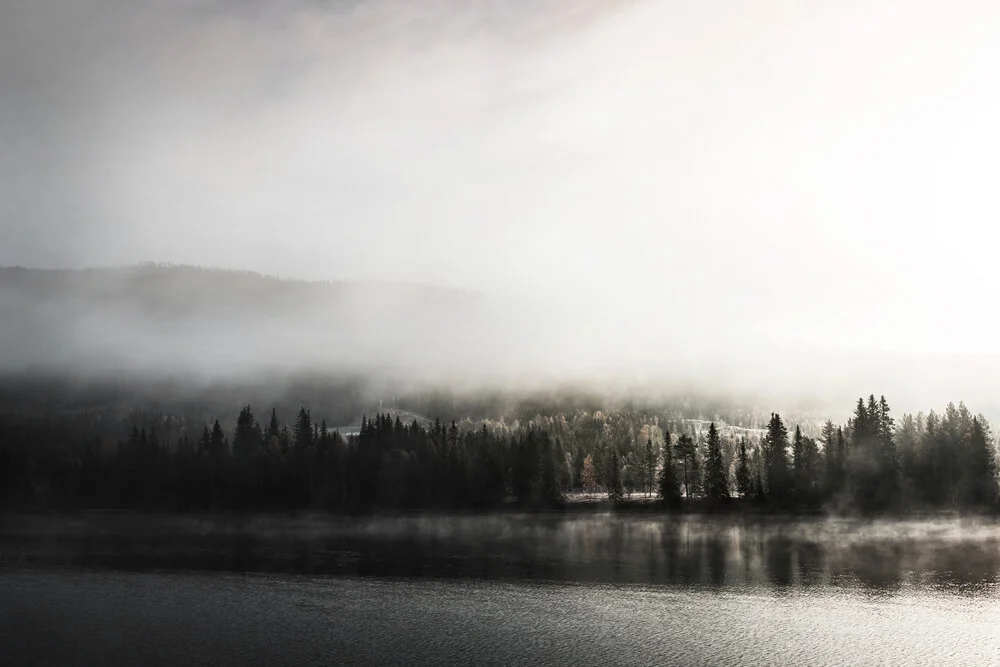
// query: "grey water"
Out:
[503,589]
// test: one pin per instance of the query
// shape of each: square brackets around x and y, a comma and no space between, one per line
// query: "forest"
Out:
[152,460]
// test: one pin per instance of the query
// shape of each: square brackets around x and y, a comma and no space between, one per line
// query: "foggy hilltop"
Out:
[209,323]
[638,197]
[194,326]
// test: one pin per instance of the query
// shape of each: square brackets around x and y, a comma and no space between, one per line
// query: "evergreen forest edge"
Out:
[873,464]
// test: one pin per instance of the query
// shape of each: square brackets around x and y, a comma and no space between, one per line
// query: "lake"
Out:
[498,590]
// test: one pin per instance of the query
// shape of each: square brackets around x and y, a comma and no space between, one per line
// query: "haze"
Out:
[719,187]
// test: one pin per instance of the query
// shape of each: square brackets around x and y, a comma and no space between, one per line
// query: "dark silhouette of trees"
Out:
[716,482]
[615,490]
[806,469]
[743,476]
[686,453]
[831,459]
[776,462]
[588,475]
[872,465]
[978,466]
[670,491]
[158,461]
[248,436]
[649,465]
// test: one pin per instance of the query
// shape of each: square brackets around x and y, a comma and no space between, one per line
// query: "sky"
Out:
[778,174]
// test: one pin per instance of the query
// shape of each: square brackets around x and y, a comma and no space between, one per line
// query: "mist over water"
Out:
[766,554]
[506,589]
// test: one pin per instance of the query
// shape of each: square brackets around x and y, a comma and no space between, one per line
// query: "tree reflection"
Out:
[880,559]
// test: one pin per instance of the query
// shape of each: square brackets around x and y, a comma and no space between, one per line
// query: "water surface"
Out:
[505,589]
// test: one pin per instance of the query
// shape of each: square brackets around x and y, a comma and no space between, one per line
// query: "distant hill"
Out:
[166,292]
[178,330]
[211,322]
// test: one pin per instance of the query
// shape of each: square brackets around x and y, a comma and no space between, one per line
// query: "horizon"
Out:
[722,378]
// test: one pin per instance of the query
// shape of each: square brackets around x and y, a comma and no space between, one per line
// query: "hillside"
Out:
[210,323]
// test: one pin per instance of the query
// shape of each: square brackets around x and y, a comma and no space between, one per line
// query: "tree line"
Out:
[156,461]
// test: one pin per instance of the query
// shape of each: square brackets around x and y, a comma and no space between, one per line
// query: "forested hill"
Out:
[217,322]
[161,291]
[220,338]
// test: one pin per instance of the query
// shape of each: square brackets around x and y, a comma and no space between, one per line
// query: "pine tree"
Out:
[615,490]
[588,475]
[650,465]
[841,467]
[204,442]
[743,479]
[830,454]
[670,490]
[550,491]
[760,493]
[978,470]
[776,460]
[888,487]
[716,483]
[303,430]
[579,460]
[686,452]
[798,464]
[218,441]
[564,475]
[247,435]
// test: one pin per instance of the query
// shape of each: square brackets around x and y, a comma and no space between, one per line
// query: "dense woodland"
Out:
[152,460]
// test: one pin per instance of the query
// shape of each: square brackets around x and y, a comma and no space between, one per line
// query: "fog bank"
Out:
[792,198]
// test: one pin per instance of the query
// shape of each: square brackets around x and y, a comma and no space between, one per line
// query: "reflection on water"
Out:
[458,590]
[735,553]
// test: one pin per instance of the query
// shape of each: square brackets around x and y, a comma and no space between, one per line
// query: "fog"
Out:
[789,197]
[888,558]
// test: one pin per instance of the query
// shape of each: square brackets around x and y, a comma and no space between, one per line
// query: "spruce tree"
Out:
[650,465]
[978,474]
[743,479]
[549,483]
[578,462]
[830,458]
[716,482]
[670,491]
[247,436]
[798,464]
[615,490]
[218,440]
[776,460]
[303,430]
[686,452]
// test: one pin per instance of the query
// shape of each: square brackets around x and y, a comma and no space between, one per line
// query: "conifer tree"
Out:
[650,465]
[615,490]
[798,464]
[686,452]
[218,441]
[247,435]
[670,491]
[743,478]
[716,484]
[588,475]
[979,470]
[776,460]
[303,430]
[830,457]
